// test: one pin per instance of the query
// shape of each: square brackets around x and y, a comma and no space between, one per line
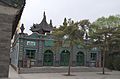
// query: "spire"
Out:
[44,16]
[51,23]
[22,28]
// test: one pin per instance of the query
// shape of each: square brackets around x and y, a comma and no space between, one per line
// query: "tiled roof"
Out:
[43,26]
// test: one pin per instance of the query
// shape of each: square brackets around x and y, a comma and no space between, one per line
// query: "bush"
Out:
[116,62]
[113,62]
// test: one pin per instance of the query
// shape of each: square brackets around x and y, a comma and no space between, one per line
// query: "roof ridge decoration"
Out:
[51,23]
[22,28]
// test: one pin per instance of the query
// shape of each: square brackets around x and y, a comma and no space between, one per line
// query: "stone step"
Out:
[60,69]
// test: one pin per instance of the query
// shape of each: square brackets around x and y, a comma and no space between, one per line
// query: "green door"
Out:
[80,59]
[48,58]
[64,58]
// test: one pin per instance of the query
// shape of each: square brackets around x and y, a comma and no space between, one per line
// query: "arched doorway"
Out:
[64,58]
[48,58]
[80,58]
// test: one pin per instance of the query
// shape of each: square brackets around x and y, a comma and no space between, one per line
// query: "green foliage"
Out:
[84,24]
[105,34]
[105,26]
[70,30]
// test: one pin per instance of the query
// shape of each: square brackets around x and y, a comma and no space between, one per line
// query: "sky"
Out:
[57,10]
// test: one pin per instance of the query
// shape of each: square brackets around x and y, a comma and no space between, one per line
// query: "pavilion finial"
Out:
[44,16]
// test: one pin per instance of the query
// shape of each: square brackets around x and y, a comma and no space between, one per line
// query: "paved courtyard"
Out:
[78,75]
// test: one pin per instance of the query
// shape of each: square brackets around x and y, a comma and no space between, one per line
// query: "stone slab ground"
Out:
[76,75]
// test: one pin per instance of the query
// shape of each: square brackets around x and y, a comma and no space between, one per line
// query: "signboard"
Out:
[31,43]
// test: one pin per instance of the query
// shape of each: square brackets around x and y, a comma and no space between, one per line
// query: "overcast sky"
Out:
[57,10]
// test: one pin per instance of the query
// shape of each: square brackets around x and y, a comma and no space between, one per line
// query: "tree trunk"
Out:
[103,64]
[105,49]
[69,67]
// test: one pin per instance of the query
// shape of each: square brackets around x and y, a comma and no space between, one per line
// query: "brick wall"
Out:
[7,15]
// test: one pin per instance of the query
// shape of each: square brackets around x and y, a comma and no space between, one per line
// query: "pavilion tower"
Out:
[43,27]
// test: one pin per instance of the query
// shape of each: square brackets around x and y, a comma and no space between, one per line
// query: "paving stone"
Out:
[75,75]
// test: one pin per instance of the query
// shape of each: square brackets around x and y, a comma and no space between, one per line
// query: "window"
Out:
[93,56]
[30,54]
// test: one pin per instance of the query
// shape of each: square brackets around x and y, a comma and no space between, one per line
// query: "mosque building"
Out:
[42,49]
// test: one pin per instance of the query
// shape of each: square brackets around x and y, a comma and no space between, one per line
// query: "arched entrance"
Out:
[48,58]
[80,58]
[64,58]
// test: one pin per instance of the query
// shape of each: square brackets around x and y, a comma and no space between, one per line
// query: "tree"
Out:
[103,31]
[85,24]
[69,31]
